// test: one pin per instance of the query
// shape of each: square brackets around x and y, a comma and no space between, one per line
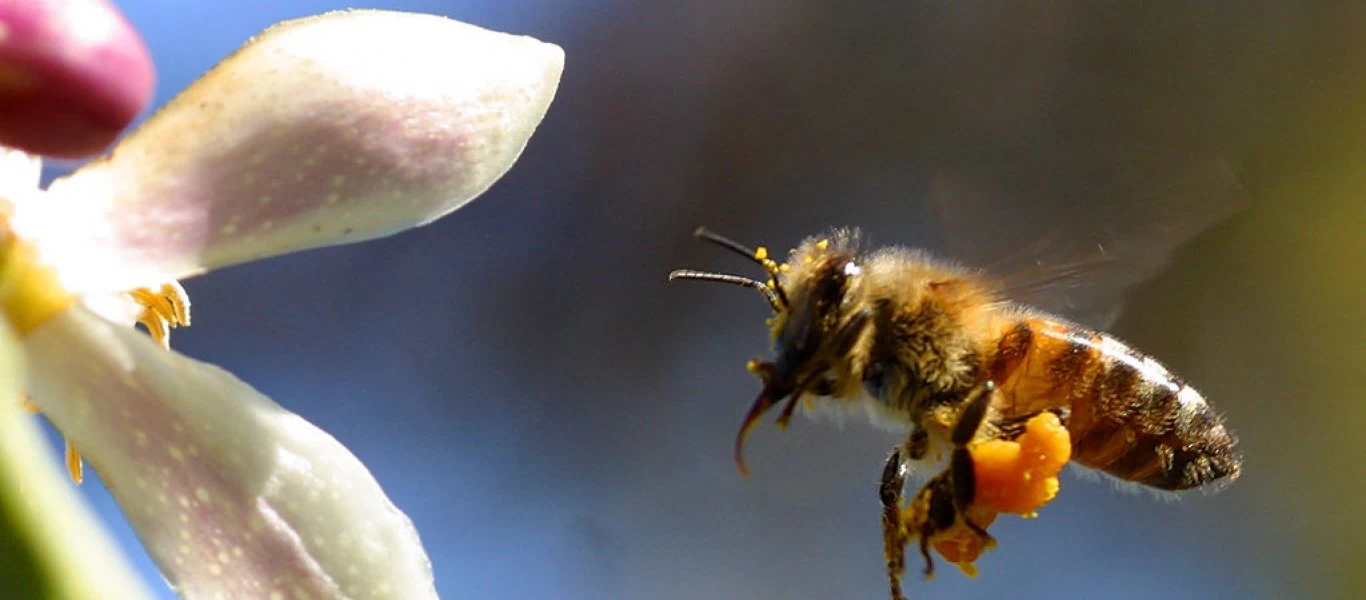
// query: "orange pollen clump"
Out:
[961,545]
[1021,475]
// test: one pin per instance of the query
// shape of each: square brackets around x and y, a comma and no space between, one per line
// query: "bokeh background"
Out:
[557,420]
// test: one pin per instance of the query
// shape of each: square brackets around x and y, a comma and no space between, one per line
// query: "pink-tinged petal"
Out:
[232,495]
[72,557]
[73,74]
[325,130]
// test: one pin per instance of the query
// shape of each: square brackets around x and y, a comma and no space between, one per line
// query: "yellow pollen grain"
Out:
[257,158]
[224,558]
[140,438]
[333,198]
[237,551]
[761,253]
[229,229]
[163,499]
[176,453]
[215,570]
[183,500]
[185,534]
[265,199]
[201,494]
[338,180]
[276,595]
[823,244]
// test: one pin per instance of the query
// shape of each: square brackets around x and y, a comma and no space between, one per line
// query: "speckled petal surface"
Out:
[324,130]
[233,496]
[41,513]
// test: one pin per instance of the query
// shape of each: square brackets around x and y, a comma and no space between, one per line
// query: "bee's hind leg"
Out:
[961,468]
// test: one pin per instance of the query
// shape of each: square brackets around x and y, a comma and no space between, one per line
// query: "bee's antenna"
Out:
[774,300]
[703,233]
[757,255]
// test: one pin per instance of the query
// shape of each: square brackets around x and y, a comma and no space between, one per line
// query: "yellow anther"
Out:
[761,253]
[784,268]
[74,468]
[162,310]
[823,244]
[752,365]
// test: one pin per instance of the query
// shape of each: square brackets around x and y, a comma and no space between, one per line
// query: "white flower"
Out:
[325,130]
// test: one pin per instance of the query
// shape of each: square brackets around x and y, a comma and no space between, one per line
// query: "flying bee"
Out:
[937,350]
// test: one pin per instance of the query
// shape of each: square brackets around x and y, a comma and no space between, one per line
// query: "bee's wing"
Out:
[1070,234]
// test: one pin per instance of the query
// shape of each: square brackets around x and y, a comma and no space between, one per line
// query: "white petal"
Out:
[230,493]
[77,557]
[325,130]
[19,174]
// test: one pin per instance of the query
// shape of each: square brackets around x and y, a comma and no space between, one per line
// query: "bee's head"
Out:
[809,296]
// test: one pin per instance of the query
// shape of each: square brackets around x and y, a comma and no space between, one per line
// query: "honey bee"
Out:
[937,349]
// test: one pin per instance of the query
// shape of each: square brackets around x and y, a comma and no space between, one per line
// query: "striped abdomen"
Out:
[1128,416]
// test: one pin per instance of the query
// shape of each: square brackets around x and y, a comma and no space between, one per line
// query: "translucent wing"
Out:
[1070,234]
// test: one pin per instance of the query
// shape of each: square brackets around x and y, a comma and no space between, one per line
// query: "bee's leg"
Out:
[933,511]
[961,466]
[893,530]
[918,444]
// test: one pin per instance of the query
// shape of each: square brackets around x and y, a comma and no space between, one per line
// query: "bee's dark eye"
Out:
[832,286]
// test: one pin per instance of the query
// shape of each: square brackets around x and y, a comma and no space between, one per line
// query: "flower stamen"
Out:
[162,310]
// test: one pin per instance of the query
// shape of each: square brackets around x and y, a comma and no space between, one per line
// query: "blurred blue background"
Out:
[558,421]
